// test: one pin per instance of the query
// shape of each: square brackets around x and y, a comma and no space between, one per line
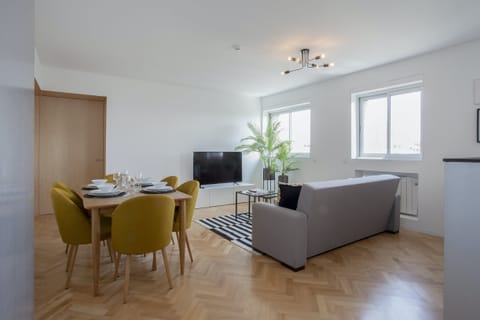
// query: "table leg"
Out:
[236,205]
[250,213]
[95,221]
[181,241]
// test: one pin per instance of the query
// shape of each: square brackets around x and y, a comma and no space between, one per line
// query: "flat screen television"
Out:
[217,167]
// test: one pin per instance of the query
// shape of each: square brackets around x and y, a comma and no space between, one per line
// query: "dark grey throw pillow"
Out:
[289,195]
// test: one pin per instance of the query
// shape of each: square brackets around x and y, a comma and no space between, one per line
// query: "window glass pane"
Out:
[300,131]
[405,123]
[284,120]
[373,119]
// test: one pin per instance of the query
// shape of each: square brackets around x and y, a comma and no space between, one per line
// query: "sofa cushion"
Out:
[289,194]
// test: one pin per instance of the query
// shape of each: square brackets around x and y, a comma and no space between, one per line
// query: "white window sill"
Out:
[300,155]
[404,158]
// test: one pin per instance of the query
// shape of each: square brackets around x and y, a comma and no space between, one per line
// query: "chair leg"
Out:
[178,237]
[173,242]
[110,251]
[188,247]
[127,278]
[69,257]
[66,248]
[154,261]
[117,263]
[74,250]
[167,268]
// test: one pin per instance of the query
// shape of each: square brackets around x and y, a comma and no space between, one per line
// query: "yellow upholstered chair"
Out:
[171,181]
[74,226]
[191,188]
[109,178]
[74,196]
[141,225]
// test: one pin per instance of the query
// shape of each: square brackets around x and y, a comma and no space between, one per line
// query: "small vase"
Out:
[283,178]
[268,175]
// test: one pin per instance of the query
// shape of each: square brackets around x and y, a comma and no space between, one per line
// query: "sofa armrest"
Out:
[394,219]
[281,233]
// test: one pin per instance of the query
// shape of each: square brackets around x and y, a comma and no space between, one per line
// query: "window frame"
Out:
[289,109]
[388,93]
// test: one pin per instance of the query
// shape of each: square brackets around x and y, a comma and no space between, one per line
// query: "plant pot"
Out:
[268,174]
[283,179]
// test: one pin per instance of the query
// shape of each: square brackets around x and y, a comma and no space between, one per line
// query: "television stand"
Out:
[218,194]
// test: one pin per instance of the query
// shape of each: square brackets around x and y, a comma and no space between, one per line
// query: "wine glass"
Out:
[134,185]
[116,178]
[139,177]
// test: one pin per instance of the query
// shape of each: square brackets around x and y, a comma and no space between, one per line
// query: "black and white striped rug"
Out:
[238,231]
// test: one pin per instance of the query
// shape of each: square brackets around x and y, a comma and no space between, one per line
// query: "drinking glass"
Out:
[124,181]
[116,178]
[134,186]
[139,177]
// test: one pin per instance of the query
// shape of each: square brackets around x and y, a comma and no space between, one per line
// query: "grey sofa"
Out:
[330,214]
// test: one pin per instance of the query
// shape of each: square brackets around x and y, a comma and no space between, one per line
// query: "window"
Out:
[295,127]
[388,123]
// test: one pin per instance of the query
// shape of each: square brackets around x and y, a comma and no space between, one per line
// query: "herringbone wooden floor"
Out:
[384,277]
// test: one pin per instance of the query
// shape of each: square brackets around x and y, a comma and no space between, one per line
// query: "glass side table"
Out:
[254,195]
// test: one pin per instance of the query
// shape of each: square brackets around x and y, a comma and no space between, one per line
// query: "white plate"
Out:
[155,188]
[105,193]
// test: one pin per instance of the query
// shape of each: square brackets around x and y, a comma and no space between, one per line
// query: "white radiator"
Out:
[407,189]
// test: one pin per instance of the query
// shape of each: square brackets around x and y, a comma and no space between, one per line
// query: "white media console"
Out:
[220,194]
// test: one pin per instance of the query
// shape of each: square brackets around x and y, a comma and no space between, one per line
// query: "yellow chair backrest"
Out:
[142,224]
[72,195]
[191,188]
[171,181]
[72,223]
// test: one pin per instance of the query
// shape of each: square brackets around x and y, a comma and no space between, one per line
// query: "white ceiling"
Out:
[190,42]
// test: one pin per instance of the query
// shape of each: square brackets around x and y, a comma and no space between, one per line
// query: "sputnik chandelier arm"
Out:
[305,61]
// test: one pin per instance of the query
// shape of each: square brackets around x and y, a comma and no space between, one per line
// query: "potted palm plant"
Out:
[287,162]
[266,144]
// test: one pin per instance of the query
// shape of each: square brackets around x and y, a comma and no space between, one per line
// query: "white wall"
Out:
[16,159]
[154,127]
[448,123]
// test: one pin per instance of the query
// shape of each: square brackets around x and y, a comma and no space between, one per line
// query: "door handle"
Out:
[99,160]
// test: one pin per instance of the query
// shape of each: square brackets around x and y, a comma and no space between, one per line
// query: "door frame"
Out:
[57,94]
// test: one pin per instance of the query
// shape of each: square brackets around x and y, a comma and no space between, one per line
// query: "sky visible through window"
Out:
[404,135]
[295,126]
[405,123]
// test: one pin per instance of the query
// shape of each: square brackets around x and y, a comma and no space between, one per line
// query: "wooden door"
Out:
[71,142]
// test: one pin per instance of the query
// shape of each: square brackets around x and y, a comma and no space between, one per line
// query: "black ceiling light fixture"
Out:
[306,61]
